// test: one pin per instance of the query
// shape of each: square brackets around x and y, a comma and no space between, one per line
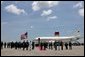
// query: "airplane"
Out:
[58,38]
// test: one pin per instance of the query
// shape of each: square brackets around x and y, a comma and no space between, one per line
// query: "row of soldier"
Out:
[56,45]
[43,45]
[17,45]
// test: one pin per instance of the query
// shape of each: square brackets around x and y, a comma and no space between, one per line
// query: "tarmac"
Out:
[76,51]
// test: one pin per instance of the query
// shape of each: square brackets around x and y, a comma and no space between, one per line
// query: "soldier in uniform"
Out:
[51,45]
[12,44]
[5,45]
[44,44]
[27,45]
[41,46]
[8,45]
[23,45]
[66,45]
[61,43]
[33,45]
[19,45]
[55,45]
[30,45]
[16,45]
[70,45]
[1,45]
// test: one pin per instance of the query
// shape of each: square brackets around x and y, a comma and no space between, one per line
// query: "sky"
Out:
[40,18]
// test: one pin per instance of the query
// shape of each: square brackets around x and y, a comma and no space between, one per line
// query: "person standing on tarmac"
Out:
[66,45]
[1,45]
[44,45]
[55,46]
[41,45]
[33,45]
[16,45]
[30,45]
[27,45]
[12,44]
[51,45]
[61,45]
[5,45]
[23,45]
[70,45]
[19,43]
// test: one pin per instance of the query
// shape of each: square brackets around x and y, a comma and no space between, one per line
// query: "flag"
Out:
[24,36]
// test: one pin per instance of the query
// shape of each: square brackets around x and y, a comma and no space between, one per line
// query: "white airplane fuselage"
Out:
[64,39]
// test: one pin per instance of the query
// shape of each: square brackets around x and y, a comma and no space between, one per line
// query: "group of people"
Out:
[57,45]
[17,45]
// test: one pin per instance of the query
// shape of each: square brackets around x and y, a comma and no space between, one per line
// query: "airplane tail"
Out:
[76,33]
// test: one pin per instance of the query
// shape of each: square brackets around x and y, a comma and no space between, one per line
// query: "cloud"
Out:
[81,12]
[79,4]
[31,27]
[51,18]
[37,5]
[1,2]
[13,9]
[45,13]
